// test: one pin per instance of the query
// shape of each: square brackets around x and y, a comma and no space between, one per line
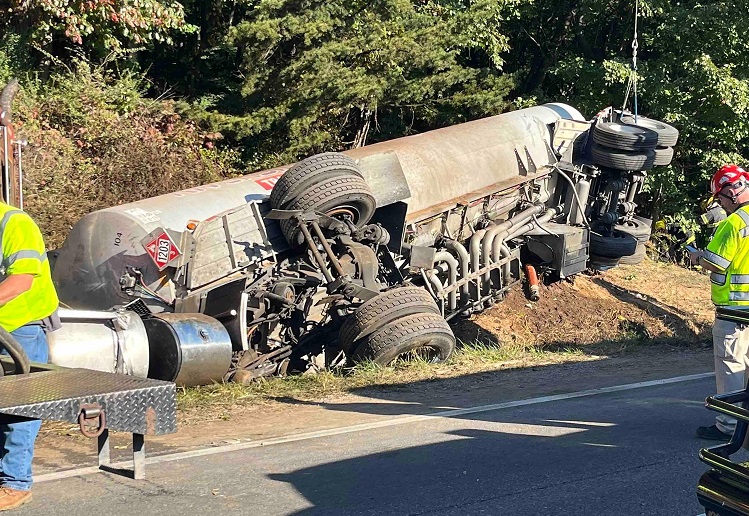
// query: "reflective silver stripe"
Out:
[744,232]
[21,255]
[738,296]
[6,218]
[744,216]
[6,262]
[719,279]
[740,279]
[716,259]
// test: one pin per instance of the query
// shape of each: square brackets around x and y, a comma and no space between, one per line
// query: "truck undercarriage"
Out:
[366,255]
[354,256]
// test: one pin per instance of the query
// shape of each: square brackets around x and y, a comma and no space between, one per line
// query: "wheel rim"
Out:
[422,348]
[345,212]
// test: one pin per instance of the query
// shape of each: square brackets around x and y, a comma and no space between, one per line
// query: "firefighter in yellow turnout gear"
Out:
[726,257]
[28,310]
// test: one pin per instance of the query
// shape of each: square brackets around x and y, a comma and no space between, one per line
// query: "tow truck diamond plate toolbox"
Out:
[140,406]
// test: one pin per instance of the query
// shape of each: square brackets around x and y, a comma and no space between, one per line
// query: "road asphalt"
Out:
[628,452]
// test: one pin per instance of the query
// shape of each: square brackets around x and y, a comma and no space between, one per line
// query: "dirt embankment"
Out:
[648,303]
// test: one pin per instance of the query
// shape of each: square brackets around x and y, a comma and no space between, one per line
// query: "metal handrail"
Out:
[718,456]
[723,464]
[725,404]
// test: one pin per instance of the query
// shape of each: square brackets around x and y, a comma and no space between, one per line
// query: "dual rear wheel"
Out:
[329,183]
[629,145]
[398,323]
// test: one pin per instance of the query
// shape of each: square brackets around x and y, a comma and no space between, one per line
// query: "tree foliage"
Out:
[317,75]
[285,78]
[100,25]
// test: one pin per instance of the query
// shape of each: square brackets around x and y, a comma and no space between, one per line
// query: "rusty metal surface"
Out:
[469,197]
[447,163]
[6,99]
[10,149]
[384,175]
[136,405]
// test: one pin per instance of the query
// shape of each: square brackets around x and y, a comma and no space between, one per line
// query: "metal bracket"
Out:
[422,257]
[337,281]
[283,214]
[344,285]
[524,170]
[92,413]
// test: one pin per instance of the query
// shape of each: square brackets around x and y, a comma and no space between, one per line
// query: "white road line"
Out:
[397,421]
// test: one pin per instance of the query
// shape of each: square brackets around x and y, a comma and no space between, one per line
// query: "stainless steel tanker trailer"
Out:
[361,255]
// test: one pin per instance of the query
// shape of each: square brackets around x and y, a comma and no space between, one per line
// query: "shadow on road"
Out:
[570,458]
[514,383]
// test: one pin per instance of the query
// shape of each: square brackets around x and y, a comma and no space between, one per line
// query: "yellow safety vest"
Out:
[23,253]
[728,251]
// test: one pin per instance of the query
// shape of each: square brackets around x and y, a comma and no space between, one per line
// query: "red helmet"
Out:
[726,175]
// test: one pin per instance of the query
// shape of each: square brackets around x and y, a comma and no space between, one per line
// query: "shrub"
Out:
[94,142]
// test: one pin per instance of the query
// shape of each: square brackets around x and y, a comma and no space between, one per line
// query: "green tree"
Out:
[98,26]
[693,62]
[313,75]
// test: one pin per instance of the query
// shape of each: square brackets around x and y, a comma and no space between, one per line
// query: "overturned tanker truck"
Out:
[361,255]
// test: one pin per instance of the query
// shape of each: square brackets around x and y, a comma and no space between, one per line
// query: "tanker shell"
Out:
[427,171]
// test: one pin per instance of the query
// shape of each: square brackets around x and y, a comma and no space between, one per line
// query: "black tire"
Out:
[624,137]
[663,156]
[638,227]
[622,160]
[615,246]
[309,171]
[668,135]
[382,309]
[636,258]
[602,263]
[428,331]
[346,195]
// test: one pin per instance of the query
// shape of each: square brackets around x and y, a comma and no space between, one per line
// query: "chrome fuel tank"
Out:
[113,342]
[187,349]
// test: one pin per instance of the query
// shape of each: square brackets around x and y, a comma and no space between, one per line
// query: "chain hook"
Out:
[632,83]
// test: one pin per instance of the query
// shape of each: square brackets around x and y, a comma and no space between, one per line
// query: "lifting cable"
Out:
[632,83]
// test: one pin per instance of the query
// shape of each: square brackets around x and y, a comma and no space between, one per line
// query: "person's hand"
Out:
[694,256]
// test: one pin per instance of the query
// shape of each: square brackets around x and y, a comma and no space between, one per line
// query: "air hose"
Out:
[16,352]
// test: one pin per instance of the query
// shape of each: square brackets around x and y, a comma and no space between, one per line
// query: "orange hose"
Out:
[530,273]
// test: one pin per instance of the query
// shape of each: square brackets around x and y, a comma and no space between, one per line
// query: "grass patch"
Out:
[468,358]
[231,394]
[482,353]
